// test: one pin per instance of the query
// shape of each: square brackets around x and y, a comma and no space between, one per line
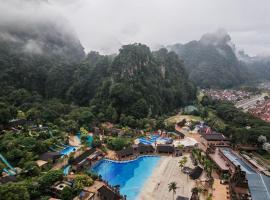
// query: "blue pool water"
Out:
[153,139]
[129,175]
[89,139]
[68,150]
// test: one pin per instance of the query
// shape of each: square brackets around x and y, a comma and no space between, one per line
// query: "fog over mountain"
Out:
[35,28]
[105,26]
[212,61]
[51,32]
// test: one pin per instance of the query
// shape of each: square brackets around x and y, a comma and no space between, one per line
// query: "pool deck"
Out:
[167,171]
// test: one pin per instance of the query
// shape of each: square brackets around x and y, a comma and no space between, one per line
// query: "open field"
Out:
[177,118]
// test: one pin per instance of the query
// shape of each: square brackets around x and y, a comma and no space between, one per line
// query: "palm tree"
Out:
[195,194]
[200,156]
[180,147]
[208,166]
[172,187]
[182,162]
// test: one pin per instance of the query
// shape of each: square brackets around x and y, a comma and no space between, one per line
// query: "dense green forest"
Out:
[142,83]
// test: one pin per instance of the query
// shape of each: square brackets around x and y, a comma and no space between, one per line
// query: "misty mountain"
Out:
[46,38]
[212,62]
[48,60]
[258,66]
[30,53]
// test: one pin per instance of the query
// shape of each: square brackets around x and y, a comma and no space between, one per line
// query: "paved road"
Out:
[247,104]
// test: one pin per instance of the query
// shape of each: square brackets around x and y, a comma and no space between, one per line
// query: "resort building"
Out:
[125,152]
[59,186]
[85,159]
[214,139]
[181,198]
[222,163]
[50,156]
[176,134]
[105,193]
[41,163]
[144,149]
[246,181]
[85,195]
[162,148]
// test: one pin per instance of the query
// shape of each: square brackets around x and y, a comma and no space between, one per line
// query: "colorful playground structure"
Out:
[153,139]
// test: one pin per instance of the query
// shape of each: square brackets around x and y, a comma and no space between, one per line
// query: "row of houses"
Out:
[102,192]
[146,149]
[227,95]
[85,159]
[261,110]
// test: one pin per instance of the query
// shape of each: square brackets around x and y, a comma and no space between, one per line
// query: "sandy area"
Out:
[74,141]
[167,171]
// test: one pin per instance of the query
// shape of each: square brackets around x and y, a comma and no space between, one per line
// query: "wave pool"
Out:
[129,175]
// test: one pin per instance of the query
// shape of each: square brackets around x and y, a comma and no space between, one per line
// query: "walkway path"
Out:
[220,191]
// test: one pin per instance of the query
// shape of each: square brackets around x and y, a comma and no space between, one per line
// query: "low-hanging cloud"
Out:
[105,25]
[37,27]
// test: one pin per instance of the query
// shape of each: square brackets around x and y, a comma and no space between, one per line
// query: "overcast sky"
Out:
[105,25]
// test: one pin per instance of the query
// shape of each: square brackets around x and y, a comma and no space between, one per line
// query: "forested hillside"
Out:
[212,62]
[141,83]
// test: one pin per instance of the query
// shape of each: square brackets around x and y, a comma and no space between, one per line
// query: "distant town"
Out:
[257,104]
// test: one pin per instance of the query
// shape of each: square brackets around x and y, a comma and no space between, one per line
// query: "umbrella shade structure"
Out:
[196,173]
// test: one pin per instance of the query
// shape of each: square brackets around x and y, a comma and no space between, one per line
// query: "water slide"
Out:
[58,146]
[9,172]
[50,132]
[66,170]
[64,145]
[7,163]
[52,149]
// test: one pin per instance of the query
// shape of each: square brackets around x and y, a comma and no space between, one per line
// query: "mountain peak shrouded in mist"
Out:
[32,28]
[211,61]
[220,37]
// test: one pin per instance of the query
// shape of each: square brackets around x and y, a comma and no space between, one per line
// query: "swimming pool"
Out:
[153,139]
[89,139]
[68,150]
[129,175]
